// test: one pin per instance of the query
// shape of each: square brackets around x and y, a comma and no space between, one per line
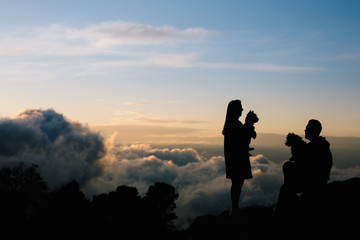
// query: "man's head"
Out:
[313,129]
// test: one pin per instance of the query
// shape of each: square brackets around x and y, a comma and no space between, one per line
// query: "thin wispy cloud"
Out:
[175,60]
[139,116]
[347,56]
[135,112]
[101,38]
[59,51]
[128,33]
[143,103]
[166,120]
[262,67]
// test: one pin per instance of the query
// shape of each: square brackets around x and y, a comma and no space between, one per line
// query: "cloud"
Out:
[61,51]
[140,116]
[338,174]
[145,103]
[166,120]
[175,60]
[66,150]
[100,38]
[261,67]
[128,33]
[347,56]
[200,182]
[132,44]
[62,149]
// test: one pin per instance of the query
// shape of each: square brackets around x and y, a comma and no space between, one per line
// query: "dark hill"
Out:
[252,223]
[29,209]
[338,220]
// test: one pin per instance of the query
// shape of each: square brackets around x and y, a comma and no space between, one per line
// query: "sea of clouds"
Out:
[65,150]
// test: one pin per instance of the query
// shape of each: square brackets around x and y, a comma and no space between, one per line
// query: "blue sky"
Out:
[178,63]
[161,73]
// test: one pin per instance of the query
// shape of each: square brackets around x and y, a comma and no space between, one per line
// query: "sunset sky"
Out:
[178,63]
[154,79]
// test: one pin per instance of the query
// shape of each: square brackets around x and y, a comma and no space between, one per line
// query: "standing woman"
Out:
[236,151]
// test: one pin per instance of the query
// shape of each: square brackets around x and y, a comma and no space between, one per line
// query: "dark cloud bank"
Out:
[65,150]
[62,149]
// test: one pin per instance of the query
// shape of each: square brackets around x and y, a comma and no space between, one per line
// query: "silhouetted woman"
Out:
[236,151]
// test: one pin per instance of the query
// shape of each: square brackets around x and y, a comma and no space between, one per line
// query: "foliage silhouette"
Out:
[26,203]
[67,208]
[29,209]
[159,205]
[111,207]
[22,193]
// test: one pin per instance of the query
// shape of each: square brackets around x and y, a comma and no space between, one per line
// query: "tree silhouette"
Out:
[26,203]
[22,193]
[159,204]
[68,209]
[125,211]
[117,211]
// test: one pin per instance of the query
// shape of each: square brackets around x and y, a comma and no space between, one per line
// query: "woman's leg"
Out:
[235,191]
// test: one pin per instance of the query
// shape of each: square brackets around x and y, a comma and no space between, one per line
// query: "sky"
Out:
[125,92]
[178,63]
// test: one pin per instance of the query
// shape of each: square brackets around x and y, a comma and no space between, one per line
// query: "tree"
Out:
[68,209]
[22,193]
[117,208]
[159,204]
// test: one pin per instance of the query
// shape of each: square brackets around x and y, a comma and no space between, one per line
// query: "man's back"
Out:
[320,161]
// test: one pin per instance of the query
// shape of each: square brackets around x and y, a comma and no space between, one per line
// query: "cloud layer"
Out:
[65,150]
[200,182]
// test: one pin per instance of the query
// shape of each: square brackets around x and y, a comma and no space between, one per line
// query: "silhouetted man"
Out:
[319,161]
[313,176]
